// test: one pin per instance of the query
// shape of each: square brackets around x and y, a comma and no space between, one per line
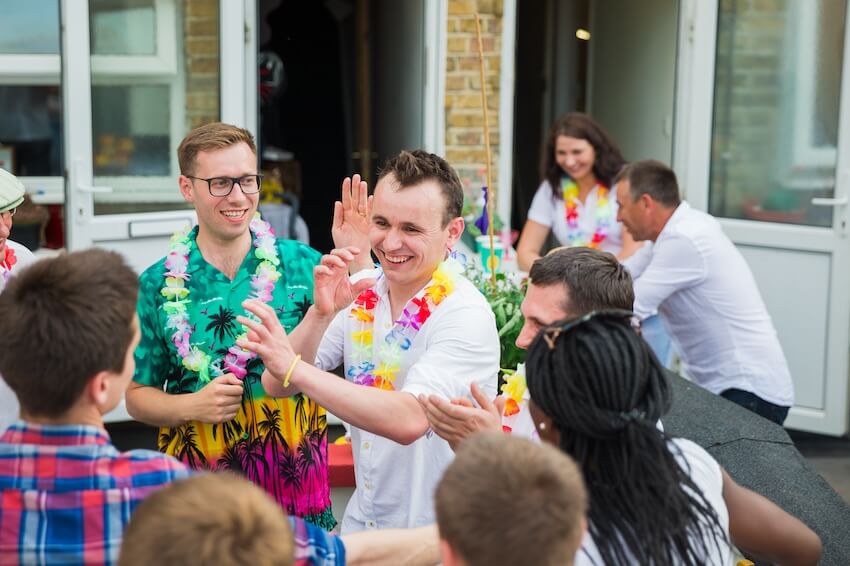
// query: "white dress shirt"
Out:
[706,294]
[457,346]
[9,408]
[551,212]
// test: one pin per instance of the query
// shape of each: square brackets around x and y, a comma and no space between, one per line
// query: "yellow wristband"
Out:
[290,370]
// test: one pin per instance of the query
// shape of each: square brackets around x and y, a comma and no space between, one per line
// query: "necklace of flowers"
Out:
[379,369]
[515,391]
[9,261]
[177,294]
[576,236]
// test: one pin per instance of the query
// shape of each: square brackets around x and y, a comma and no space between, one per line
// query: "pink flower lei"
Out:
[177,300]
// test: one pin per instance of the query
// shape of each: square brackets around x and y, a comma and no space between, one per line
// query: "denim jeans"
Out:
[757,405]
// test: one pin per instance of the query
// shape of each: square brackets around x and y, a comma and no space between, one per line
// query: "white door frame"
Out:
[692,155]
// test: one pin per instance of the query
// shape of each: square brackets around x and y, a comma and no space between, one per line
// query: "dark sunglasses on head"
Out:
[551,333]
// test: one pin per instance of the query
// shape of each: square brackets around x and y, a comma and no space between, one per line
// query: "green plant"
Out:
[504,299]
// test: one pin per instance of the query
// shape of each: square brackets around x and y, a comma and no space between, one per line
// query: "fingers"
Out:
[363,197]
[499,403]
[362,285]
[346,193]
[481,398]
[338,216]
[264,312]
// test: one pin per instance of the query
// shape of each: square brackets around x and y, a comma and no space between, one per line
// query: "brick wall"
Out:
[465,148]
[201,32]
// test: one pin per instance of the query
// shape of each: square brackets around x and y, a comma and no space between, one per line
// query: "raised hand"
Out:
[266,338]
[332,289]
[351,220]
[457,419]
[219,400]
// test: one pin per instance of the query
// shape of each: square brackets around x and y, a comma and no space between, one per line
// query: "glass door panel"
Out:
[776,110]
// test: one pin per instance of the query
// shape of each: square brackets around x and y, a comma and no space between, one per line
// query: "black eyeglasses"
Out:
[551,333]
[221,186]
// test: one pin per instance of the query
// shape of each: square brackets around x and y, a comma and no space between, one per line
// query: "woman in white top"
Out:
[597,392]
[576,201]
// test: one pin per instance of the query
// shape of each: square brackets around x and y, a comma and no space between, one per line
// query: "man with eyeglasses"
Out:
[13,257]
[192,379]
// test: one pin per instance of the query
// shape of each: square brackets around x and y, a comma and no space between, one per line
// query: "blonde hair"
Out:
[209,137]
[211,519]
[501,492]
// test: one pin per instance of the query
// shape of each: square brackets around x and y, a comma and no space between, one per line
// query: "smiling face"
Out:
[633,213]
[575,156]
[222,219]
[407,233]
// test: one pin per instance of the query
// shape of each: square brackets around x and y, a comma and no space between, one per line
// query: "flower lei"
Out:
[177,295]
[380,369]
[9,261]
[516,392]
[576,236]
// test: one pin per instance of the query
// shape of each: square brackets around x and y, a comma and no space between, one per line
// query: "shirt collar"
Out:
[676,217]
[198,263]
[22,432]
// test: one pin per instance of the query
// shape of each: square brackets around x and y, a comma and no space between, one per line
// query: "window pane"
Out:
[29,26]
[775,136]
[138,120]
[31,130]
[122,27]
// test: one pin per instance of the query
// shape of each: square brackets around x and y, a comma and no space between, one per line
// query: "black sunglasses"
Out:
[551,333]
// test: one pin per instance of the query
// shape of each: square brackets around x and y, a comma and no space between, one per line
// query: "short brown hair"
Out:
[652,178]
[411,168]
[594,279]
[211,519]
[65,319]
[507,500]
[210,137]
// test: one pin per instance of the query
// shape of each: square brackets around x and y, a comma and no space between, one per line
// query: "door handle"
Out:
[824,201]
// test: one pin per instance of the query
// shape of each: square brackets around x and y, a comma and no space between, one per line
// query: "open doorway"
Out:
[614,60]
[341,91]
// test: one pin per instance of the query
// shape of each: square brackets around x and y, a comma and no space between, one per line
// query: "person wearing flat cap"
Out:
[13,257]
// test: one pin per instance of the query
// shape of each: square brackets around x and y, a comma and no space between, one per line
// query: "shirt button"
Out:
[368,486]
[370,524]
[366,446]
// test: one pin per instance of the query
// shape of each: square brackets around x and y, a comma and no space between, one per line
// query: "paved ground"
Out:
[829,456]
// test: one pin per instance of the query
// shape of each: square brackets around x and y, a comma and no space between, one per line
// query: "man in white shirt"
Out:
[13,257]
[420,329]
[705,292]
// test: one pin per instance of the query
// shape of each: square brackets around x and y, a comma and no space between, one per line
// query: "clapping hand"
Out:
[351,220]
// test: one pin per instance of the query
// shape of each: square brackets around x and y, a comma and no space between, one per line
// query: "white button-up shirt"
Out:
[457,346]
[706,294]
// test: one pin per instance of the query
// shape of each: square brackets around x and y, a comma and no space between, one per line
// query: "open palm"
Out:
[351,217]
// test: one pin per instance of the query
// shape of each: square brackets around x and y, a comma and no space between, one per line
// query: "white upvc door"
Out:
[136,77]
[763,144]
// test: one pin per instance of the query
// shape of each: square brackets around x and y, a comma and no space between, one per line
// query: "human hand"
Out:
[455,420]
[332,289]
[219,400]
[266,338]
[351,220]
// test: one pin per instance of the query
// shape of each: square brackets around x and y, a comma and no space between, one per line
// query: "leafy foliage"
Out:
[504,299]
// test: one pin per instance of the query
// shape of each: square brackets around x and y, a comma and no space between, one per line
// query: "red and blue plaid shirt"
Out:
[66,493]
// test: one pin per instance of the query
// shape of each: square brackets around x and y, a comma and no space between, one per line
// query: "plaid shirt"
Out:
[314,546]
[66,493]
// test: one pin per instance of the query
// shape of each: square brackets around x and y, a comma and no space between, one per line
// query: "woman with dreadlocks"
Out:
[597,391]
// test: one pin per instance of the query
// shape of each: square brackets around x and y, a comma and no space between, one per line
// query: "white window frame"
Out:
[805,154]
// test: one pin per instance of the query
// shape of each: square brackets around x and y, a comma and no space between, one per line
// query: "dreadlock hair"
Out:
[605,390]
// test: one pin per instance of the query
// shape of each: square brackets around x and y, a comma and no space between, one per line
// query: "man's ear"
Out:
[97,390]
[455,227]
[647,201]
[448,555]
[186,188]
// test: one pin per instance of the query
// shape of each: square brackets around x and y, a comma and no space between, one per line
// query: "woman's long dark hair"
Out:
[608,160]
[605,390]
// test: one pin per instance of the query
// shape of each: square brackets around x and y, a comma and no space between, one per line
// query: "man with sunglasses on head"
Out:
[191,378]
[13,258]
